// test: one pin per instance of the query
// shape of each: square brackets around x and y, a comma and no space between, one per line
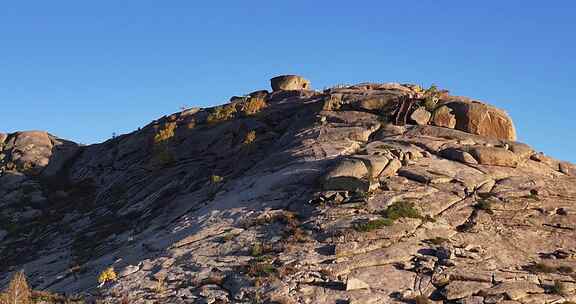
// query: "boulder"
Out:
[494,156]
[385,278]
[568,168]
[443,117]
[549,161]
[355,283]
[348,175]
[378,103]
[289,82]
[458,155]
[391,168]
[374,163]
[462,289]
[28,151]
[420,116]
[514,290]
[523,151]
[482,119]
[259,94]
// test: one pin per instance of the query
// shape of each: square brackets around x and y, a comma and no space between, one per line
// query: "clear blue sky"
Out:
[85,69]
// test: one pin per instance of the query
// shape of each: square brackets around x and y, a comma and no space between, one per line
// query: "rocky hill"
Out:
[369,193]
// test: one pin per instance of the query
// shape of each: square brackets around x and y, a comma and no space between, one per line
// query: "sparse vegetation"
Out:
[249,138]
[432,96]
[545,268]
[484,205]
[18,291]
[216,179]
[558,288]
[401,209]
[394,212]
[437,241]
[107,275]
[259,249]
[160,286]
[373,225]
[165,133]
[222,113]
[228,237]
[253,105]
[260,269]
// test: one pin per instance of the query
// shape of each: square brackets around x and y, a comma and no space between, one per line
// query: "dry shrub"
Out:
[253,105]
[249,138]
[222,113]
[18,291]
[108,275]
[165,133]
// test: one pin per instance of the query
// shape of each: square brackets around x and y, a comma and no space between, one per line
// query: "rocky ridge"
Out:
[368,193]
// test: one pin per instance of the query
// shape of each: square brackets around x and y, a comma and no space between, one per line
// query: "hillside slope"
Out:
[370,193]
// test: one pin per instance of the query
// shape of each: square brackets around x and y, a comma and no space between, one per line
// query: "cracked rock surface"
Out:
[357,194]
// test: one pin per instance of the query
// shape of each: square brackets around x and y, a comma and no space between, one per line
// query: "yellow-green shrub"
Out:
[18,291]
[222,113]
[165,133]
[249,138]
[253,105]
[107,275]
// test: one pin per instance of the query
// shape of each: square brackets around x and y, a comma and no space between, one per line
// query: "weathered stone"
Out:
[568,168]
[443,117]
[29,151]
[332,102]
[386,278]
[494,156]
[462,289]
[374,163]
[458,155]
[482,119]
[289,82]
[391,168]
[250,230]
[420,116]
[514,290]
[523,151]
[259,94]
[472,300]
[348,175]
[422,175]
[354,283]
[378,103]
[552,163]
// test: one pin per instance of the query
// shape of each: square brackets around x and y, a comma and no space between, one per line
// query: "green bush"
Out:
[401,209]
[373,225]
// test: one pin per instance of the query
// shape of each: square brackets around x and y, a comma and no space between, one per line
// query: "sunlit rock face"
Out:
[367,193]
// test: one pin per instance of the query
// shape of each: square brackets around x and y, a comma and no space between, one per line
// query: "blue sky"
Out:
[83,70]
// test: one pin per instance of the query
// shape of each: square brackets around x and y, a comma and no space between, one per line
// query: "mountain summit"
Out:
[367,193]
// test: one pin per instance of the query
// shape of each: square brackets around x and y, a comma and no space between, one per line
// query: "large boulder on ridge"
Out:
[482,119]
[289,82]
[27,151]
[35,152]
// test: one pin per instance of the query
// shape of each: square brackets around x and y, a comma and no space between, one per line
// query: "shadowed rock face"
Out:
[295,196]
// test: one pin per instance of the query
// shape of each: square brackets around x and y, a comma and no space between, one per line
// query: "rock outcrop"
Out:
[482,119]
[368,193]
[289,82]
